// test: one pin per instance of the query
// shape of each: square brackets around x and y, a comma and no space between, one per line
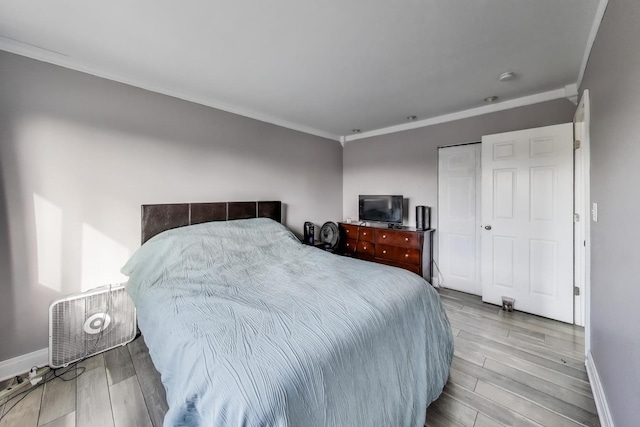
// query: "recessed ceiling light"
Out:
[411,117]
[355,130]
[509,75]
[491,98]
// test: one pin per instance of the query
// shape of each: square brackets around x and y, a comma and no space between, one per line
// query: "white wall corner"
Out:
[571,93]
[604,413]
[21,364]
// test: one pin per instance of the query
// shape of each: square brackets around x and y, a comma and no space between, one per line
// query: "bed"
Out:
[249,327]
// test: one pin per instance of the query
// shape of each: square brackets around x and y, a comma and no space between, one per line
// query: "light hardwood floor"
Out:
[510,369]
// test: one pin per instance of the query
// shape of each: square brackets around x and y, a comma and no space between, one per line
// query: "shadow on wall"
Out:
[81,154]
[44,251]
[7,302]
[70,213]
[70,208]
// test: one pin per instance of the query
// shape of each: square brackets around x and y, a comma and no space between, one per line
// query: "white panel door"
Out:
[459,217]
[527,220]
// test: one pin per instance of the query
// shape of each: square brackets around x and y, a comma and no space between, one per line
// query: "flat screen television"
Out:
[380,209]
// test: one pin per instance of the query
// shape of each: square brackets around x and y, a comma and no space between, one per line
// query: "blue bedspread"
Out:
[248,327]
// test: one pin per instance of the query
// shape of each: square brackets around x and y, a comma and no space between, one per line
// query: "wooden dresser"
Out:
[408,249]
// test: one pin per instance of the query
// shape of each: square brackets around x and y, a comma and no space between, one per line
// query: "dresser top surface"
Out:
[385,227]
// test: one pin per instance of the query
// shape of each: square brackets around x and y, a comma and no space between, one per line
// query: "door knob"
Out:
[487,227]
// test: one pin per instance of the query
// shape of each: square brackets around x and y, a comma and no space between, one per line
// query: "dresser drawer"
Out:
[367,248]
[366,234]
[411,267]
[350,231]
[349,246]
[399,254]
[398,238]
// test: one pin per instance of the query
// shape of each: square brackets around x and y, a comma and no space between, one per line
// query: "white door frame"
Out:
[582,191]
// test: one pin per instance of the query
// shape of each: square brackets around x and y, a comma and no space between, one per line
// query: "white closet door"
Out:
[459,217]
[527,219]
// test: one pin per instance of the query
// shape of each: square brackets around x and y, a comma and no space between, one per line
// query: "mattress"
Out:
[249,327]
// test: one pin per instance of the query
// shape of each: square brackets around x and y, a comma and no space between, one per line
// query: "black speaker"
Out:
[308,233]
[423,217]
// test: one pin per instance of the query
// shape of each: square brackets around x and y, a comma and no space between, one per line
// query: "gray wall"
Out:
[406,162]
[80,154]
[613,80]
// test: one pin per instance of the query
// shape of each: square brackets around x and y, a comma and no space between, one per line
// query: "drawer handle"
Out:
[347,245]
[365,248]
[384,252]
[406,239]
[347,231]
[384,236]
[406,255]
[364,234]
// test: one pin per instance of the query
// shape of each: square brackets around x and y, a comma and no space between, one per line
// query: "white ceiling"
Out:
[324,67]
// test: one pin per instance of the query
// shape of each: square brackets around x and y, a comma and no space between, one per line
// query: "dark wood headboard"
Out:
[158,218]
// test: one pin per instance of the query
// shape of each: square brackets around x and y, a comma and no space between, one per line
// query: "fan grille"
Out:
[330,234]
[85,324]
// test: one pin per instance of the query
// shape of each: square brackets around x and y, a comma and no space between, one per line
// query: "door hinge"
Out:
[576,144]
[576,217]
[576,291]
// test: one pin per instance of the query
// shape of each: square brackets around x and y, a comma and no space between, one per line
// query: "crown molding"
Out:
[597,20]
[60,59]
[66,61]
[570,92]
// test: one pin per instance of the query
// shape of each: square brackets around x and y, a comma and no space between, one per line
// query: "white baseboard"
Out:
[604,413]
[21,364]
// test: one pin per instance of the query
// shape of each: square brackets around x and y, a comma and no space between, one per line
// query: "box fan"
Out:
[88,323]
